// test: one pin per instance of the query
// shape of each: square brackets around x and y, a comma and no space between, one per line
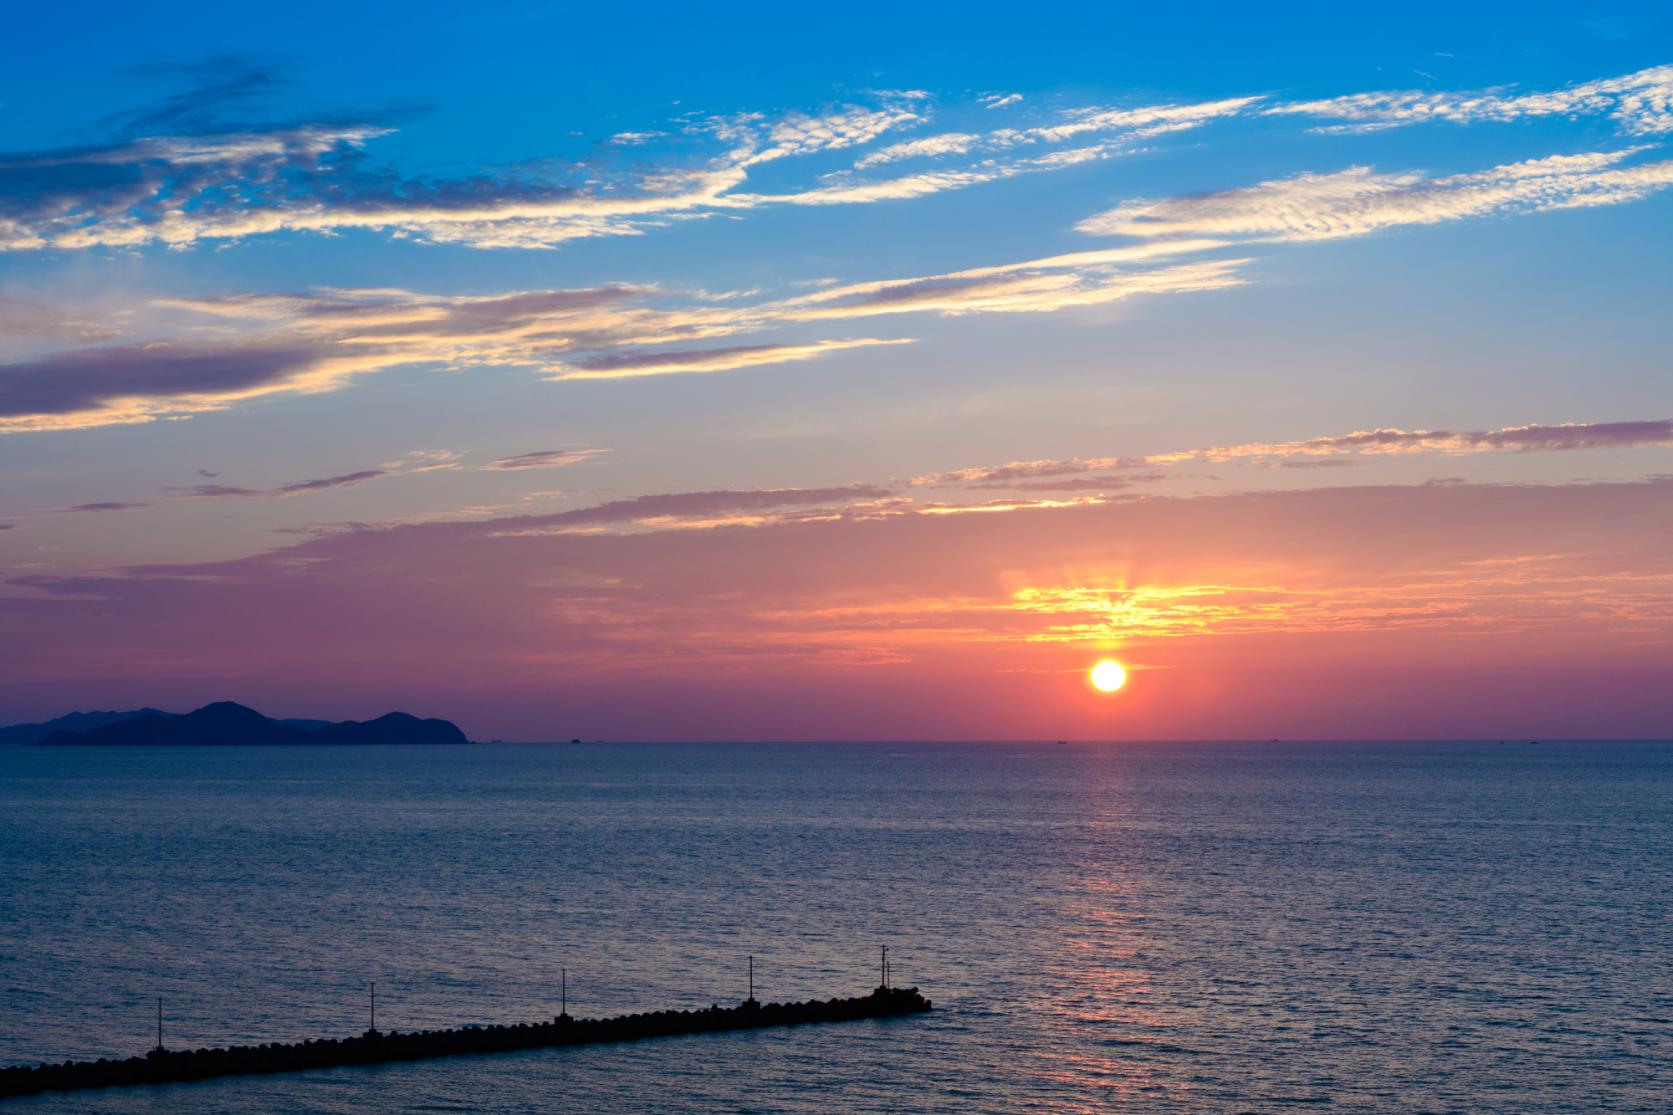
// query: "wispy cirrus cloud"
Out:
[1564,437]
[1028,286]
[22,318]
[1072,473]
[1358,201]
[632,365]
[321,340]
[542,458]
[948,143]
[101,506]
[725,507]
[1004,152]
[300,487]
[413,463]
[1640,104]
[225,176]
[203,167]
[215,182]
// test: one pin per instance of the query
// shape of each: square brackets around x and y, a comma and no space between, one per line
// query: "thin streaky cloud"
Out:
[214,491]
[1030,287]
[542,458]
[1358,201]
[102,506]
[322,341]
[22,318]
[1564,437]
[948,143]
[302,487]
[663,508]
[1326,452]
[634,365]
[1640,104]
[170,190]
[330,337]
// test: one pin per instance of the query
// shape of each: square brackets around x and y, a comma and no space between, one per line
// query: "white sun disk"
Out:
[1109,675]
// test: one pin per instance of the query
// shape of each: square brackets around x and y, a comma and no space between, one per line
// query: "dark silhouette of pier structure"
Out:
[165,1066]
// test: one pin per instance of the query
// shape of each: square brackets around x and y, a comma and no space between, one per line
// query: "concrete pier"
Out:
[162,1066]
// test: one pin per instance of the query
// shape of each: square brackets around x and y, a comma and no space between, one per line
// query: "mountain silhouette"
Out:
[391,727]
[69,722]
[229,723]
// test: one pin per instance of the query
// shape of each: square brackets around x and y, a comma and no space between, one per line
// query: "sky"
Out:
[802,373]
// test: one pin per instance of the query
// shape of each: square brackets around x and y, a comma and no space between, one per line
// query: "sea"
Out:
[1119,927]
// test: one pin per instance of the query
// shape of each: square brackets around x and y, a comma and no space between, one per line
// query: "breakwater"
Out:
[166,1066]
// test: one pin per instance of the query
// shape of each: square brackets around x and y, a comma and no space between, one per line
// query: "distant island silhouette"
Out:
[70,722]
[226,723]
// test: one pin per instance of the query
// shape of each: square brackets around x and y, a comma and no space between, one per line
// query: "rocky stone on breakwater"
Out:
[162,1066]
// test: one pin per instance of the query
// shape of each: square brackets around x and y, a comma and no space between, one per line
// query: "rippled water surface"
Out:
[1145,928]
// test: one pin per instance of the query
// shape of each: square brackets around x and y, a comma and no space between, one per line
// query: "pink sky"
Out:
[1453,610]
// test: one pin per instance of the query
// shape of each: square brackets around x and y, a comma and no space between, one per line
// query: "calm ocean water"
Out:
[1143,928]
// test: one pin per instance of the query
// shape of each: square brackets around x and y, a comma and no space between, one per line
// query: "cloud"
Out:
[1566,437]
[414,463]
[140,382]
[214,491]
[948,143]
[107,505]
[1066,484]
[1028,471]
[213,174]
[1358,201]
[20,318]
[179,189]
[1142,122]
[1336,451]
[302,487]
[320,341]
[633,365]
[542,458]
[1116,131]
[168,189]
[1033,286]
[203,166]
[1640,104]
[672,507]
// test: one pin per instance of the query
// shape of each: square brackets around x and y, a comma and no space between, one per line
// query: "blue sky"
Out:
[273,275]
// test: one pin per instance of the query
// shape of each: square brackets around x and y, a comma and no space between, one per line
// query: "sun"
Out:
[1108,675]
